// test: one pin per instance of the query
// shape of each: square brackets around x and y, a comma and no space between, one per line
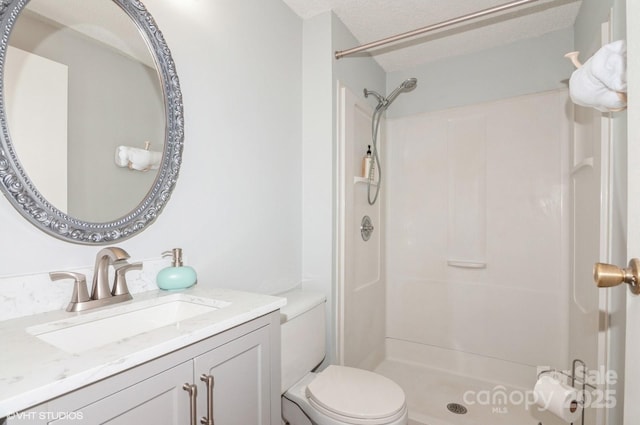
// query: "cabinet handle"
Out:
[208,420]
[193,395]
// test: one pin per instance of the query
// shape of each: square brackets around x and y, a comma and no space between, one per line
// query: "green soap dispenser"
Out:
[177,276]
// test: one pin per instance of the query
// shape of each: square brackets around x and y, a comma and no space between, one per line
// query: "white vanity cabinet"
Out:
[158,399]
[243,361]
[240,369]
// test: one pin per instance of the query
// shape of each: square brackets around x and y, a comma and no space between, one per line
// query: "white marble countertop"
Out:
[33,371]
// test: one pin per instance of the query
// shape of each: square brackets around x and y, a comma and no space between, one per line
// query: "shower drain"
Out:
[456,408]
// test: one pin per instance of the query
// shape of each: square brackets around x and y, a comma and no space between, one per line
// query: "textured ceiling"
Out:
[370,20]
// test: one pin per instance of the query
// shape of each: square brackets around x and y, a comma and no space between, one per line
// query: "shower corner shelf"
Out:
[365,180]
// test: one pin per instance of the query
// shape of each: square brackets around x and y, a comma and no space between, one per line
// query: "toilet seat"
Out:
[356,396]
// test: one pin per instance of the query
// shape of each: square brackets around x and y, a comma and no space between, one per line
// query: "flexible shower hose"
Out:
[375,124]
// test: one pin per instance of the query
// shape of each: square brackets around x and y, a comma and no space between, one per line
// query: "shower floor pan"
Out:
[429,391]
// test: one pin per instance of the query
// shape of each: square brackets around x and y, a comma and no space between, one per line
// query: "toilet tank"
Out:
[302,323]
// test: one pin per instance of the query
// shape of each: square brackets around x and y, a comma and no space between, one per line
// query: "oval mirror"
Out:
[91,117]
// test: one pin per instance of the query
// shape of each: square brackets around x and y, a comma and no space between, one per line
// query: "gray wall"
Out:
[592,13]
[523,67]
[236,208]
[322,35]
[355,72]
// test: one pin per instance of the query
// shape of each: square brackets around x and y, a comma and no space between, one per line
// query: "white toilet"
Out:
[338,395]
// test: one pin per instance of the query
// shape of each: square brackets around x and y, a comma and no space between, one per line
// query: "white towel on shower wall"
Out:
[601,81]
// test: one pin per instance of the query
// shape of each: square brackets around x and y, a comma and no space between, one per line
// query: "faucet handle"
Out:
[80,293]
[120,283]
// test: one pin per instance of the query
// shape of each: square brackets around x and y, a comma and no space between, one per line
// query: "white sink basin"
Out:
[109,325]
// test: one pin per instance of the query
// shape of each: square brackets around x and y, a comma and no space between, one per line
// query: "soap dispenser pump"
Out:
[178,276]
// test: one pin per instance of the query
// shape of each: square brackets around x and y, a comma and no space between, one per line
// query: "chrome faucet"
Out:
[101,293]
[104,259]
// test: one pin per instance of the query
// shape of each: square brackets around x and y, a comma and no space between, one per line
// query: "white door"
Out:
[632,367]
[39,115]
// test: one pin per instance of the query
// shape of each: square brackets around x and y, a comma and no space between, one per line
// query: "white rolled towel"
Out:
[601,82]
[137,159]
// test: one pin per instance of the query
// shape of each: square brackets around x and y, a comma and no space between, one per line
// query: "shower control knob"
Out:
[366,228]
[608,275]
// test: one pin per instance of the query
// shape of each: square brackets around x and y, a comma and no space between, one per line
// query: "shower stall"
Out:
[476,273]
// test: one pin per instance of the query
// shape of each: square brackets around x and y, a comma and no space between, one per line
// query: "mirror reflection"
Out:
[80,82]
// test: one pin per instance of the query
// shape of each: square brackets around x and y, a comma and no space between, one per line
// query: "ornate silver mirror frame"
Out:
[25,197]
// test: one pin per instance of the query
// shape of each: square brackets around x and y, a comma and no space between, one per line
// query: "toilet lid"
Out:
[355,393]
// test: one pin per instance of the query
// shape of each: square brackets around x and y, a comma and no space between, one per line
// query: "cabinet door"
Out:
[157,400]
[242,380]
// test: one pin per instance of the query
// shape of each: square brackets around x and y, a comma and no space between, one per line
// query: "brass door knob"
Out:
[608,275]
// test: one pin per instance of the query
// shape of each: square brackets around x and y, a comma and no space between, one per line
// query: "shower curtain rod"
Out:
[341,53]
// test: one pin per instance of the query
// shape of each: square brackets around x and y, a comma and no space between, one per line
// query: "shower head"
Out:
[384,102]
[407,85]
